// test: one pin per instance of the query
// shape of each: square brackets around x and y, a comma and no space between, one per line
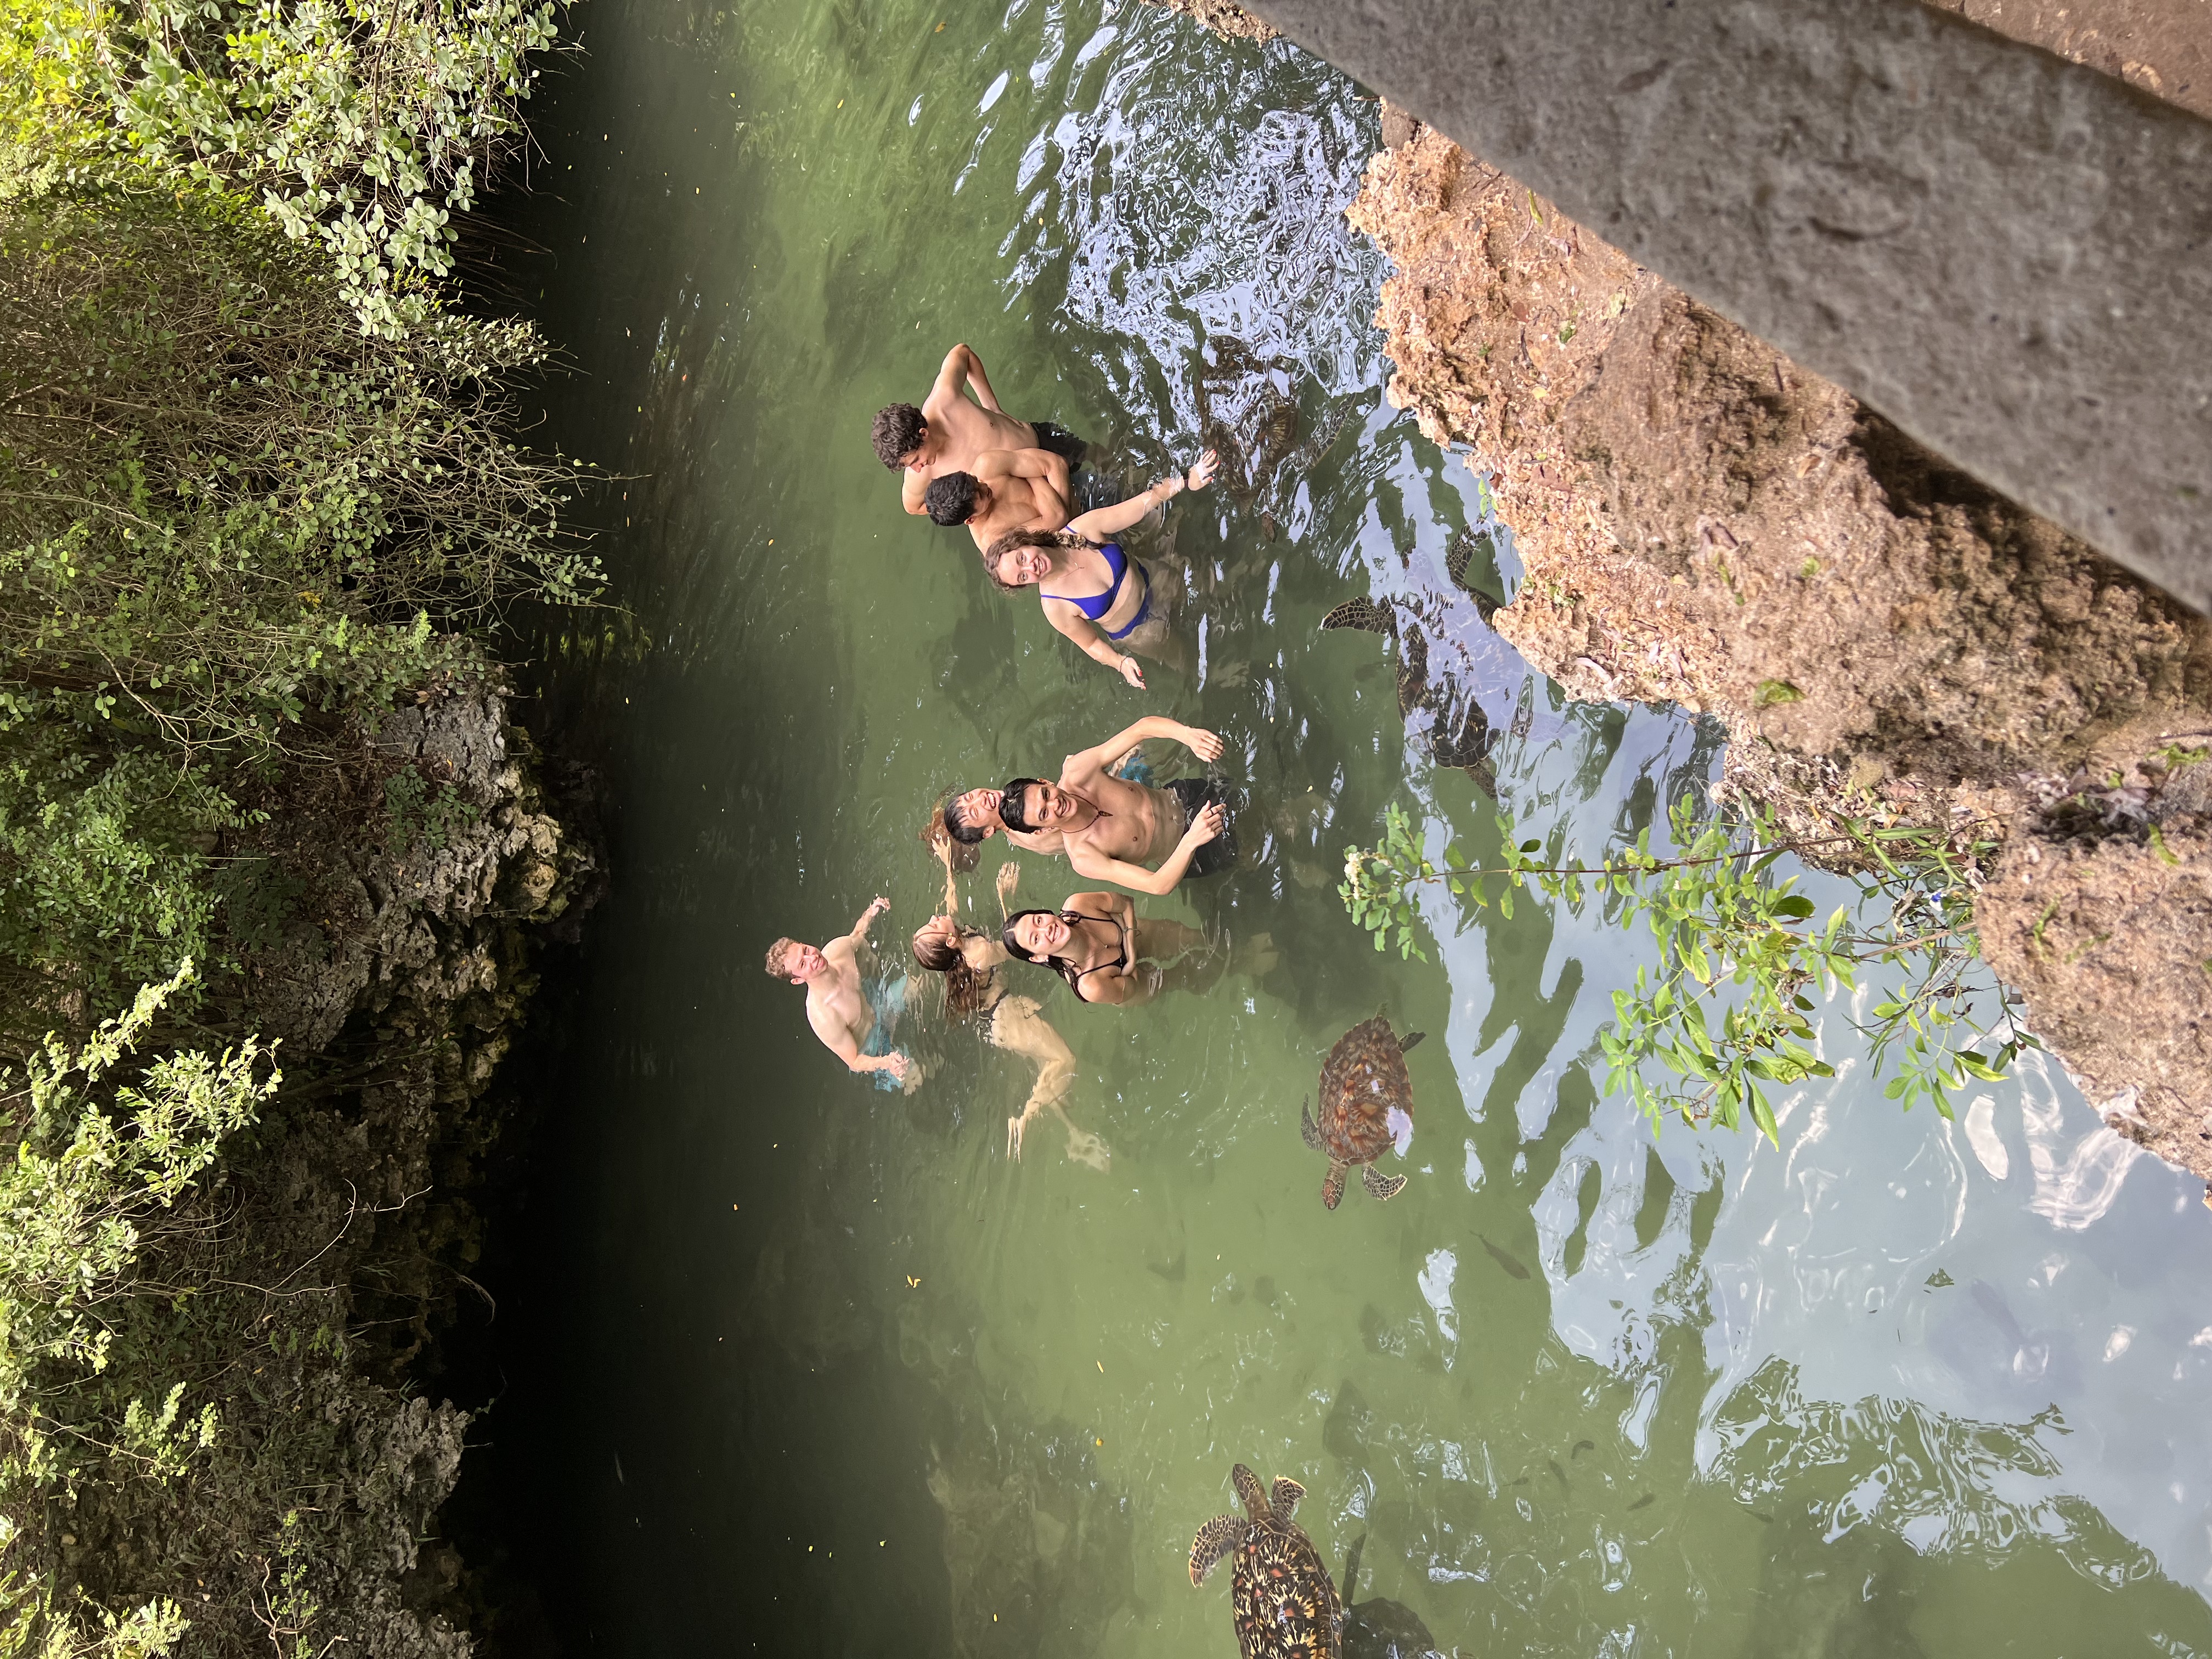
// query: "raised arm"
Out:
[875,908]
[1087,763]
[1103,522]
[963,367]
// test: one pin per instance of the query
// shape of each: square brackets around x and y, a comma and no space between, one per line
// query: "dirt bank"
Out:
[1701,521]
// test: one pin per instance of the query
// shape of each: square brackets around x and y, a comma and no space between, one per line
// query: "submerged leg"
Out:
[1215,1540]
[1378,1184]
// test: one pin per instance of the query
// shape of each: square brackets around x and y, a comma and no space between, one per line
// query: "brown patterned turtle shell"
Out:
[1366,1107]
[1284,1604]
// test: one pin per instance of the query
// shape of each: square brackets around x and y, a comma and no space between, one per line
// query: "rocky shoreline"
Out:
[1701,521]
[394,918]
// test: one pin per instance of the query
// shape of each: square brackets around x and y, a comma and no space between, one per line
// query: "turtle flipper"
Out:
[1409,1040]
[1311,1129]
[1378,1185]
[1352,1568]
[1247,1488]
[1283,1497]
[1332,1190]
[1413,670]
[1215,1540]
[1370,616]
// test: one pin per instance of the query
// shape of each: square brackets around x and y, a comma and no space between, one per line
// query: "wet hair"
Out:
[1059,965]
[1010,805]
[937,826]
[1018,538]
[777,953]
[964,988]
[951,498]
[967,834]
[897,433]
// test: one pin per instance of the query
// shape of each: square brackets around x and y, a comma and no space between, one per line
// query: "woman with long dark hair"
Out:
[968,959]
[1093,592]
[1096,944]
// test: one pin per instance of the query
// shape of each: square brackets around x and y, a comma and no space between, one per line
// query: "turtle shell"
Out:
[1285,1605]
[1364,1076]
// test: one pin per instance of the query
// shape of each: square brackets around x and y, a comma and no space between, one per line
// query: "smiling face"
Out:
[938,933]
[1047,806]
[1020,567]
[803,963]
[1042,934]
[979,810]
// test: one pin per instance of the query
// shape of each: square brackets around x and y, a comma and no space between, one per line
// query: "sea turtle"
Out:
[1366,1107]
[1459,732]
[1285,1605]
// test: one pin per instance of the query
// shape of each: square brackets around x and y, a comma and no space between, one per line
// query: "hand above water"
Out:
[1212,819]
[1010,875]
[1206,745]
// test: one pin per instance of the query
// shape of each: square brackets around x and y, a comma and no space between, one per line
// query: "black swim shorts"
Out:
[1219,854]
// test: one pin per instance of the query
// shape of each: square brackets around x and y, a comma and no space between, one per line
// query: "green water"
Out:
[813,1368]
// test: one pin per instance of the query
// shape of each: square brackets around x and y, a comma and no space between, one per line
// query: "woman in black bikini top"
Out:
[1094,942]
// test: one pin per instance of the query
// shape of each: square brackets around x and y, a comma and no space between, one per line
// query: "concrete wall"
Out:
[2008,254]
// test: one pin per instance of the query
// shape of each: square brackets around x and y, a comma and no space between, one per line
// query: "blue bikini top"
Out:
[1099,603]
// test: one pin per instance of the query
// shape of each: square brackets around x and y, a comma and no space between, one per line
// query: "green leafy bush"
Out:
[363,129]
[102,1159]
[1723,1019]
[228,519]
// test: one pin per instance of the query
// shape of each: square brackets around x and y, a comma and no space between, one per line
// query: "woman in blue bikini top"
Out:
[1090,590]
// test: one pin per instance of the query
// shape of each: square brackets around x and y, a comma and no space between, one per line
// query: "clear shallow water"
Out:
[814,1369]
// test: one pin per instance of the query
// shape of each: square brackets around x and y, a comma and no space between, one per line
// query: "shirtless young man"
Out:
[971,817]
[1137,835]
[841,1010]
[1010,491]
[950,433]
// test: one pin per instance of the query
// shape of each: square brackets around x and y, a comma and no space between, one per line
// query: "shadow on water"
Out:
[792,1366]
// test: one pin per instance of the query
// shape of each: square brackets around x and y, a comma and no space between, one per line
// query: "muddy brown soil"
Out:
[1701,521]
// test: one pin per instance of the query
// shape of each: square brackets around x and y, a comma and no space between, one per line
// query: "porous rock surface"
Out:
[1700,519]
[1222,17]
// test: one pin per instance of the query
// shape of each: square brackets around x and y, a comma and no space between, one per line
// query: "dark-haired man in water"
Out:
[852,1019]
[1010,490]
[950,432]
[1138,835]
[972,817]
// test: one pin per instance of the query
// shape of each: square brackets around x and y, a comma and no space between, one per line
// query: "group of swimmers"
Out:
[1015,486]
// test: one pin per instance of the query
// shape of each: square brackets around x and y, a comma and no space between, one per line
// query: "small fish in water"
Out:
[1559,1473]
[1580,1447]
[1504,1260]
[1642,1503]
[1173,1273]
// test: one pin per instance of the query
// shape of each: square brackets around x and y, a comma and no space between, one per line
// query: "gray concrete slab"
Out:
[2008,254]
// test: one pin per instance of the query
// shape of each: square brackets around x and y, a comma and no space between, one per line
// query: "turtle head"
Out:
[1331,1190]
[1401,1129]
